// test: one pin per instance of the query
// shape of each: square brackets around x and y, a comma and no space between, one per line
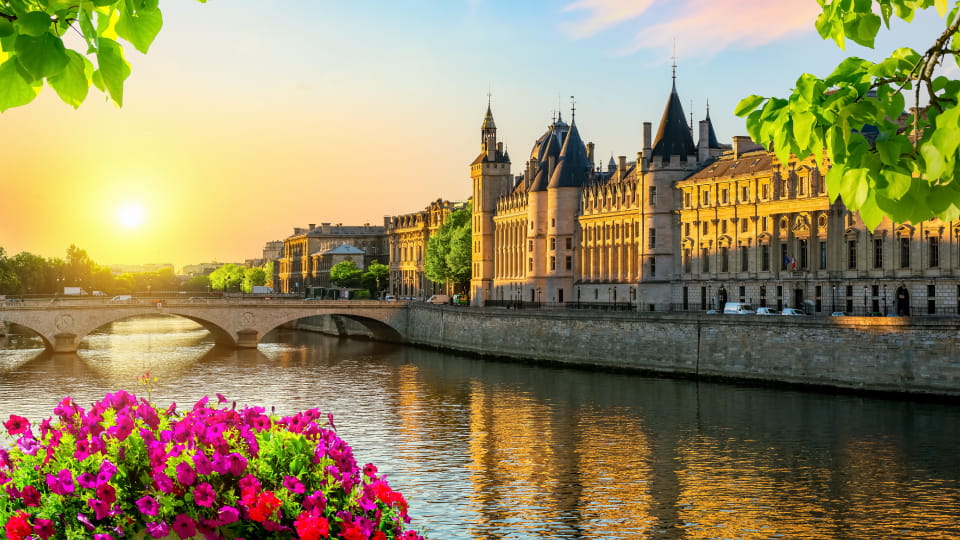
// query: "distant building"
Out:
[307,253]
[202,269]
[408,236]
[118,269]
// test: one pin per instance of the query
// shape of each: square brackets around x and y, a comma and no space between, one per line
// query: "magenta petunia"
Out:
[184,526]
[103,537]
[16,425]
[228,515]
[158,529]
[43,528]
[293,484]
[62,483]
[148,505]
[237,463]
[186,474]
[204,495]
[83,449]
[87,480]
[106,493]
[31,496]
[202,463]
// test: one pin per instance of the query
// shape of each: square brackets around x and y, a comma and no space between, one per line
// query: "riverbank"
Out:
[882,354]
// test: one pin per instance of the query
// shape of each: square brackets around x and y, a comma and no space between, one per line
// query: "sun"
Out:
[131,215]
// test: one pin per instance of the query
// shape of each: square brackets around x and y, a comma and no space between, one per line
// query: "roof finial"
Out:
[489,96]
[708,108]
[573,109]
[691,118]
[674,58]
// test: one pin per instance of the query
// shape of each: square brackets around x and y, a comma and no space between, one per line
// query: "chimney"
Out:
[703,150]
[644,162]
[743,144]
[312,226]
[621,167]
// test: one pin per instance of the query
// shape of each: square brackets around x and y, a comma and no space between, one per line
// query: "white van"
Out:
[738,308]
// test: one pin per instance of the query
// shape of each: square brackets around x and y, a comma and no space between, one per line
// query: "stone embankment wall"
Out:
[887,354]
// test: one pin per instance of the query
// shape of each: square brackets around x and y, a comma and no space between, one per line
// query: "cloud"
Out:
[702,28]
[604,14]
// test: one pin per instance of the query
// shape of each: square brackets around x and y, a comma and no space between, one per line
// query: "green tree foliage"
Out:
[448,251]
[32,48]
[9,281]
[909,171]
[252,277]
[227,278]
[198,283]
[79,268]
[345,274]
[376,277]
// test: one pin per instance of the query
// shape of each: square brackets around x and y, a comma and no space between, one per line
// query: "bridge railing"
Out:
[59,303]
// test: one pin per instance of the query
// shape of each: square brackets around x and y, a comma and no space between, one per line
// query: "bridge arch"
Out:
[230,322]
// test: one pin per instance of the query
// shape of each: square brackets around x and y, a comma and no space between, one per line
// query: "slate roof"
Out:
[673,137]
[573,169]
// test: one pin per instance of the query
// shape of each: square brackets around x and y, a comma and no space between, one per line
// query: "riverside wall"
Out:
[883,354]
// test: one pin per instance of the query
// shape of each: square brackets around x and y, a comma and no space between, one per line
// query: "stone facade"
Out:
[687,227]
[407,236]
[308,253]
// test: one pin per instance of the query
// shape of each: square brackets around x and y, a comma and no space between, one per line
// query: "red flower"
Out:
[18,527]
[267,503]
[378,536]
[16,424]
[311,527]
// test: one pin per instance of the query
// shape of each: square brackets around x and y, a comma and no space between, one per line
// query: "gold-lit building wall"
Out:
[407,237]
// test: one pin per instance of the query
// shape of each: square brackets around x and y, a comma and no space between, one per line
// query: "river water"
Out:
[495,450]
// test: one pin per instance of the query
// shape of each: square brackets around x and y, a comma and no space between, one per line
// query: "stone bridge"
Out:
[232,321]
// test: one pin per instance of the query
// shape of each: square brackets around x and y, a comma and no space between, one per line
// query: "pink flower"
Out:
[202,463]
[16,425]
[107,493]
[158,529]
[370,470]
[204,495]
[227,515]
[184,526]
[31,496]
[186,475]
[83,449]
[62,483]
[43,528]
[293,484]
[87,481]
[237,464]
[148,505]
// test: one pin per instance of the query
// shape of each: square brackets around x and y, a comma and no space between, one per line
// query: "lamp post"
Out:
[614,298]
[864,300]
[833,301]
[578,297]
[539,297]
[609,296]
[884,298]
[633,298]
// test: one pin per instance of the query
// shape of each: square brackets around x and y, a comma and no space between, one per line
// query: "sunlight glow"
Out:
[131,215]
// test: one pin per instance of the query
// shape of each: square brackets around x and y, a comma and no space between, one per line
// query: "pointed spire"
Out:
[712,141]
[488,122]
[573,168]
[673,137]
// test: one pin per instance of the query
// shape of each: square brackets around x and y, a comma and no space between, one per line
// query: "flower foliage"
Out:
[125,468]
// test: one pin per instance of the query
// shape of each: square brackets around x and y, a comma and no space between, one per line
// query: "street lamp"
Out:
[884,298]
[578,297]
[864,300]
[833,300]
[609,294]
[633,297]
[538,297]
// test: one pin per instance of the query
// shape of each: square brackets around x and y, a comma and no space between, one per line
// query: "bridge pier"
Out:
[247,339]
[65,343]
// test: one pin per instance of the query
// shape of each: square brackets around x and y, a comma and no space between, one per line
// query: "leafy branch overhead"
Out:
[884,160]
[34,38]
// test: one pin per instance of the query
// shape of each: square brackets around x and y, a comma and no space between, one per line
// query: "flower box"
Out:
[126,469]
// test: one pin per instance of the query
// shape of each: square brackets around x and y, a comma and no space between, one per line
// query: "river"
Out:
[496,450]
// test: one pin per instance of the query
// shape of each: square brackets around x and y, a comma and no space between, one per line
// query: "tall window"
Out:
[746,194]
[653,195]
[569,262]
[706,198]
[744,223]
[765,191]
[933,253]
[651,238]
[904,253]
[706,227]
[852,254]
[569,243]
[553,244]
[744,259]
[704,260]
[802,245]
[686,199]
[783,257]
[686,229]
[725,196]
[687,256]
[823,255]
[765,257]
[764,223]
[653,266]
[553,263]
[723,226]
[724,259]
[878,252]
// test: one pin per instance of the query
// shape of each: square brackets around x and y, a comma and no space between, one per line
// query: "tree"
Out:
[9,281]
[345,274]
[197,283]
[252,277]
[882,162]
[227,278]
[376,276]
[32,47]
[449,251]
[79,267]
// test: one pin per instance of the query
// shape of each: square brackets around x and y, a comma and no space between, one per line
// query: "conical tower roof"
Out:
[673,136]
[573,168]
[488,122]
[712,141]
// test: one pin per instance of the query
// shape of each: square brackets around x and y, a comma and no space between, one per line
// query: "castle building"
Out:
[689,226]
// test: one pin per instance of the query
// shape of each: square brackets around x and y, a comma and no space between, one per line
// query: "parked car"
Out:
[461,300]
[439,299]
[123,299]
[738,308]
[838,314]
[767,311]
[389,298]
[792,311]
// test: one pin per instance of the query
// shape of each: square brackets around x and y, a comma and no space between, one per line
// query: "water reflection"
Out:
[487,450]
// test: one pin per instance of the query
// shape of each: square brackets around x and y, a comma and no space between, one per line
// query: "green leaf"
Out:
[14,90]
[73,83]
[112,68]
[42,56]
[941,7]
[6,27]
[803,123]
[34,23]
[140,28]
[748,104]
[933,160]
[870,213]
[898,183]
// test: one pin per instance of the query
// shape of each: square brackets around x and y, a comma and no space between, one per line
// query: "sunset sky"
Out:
[248,118]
